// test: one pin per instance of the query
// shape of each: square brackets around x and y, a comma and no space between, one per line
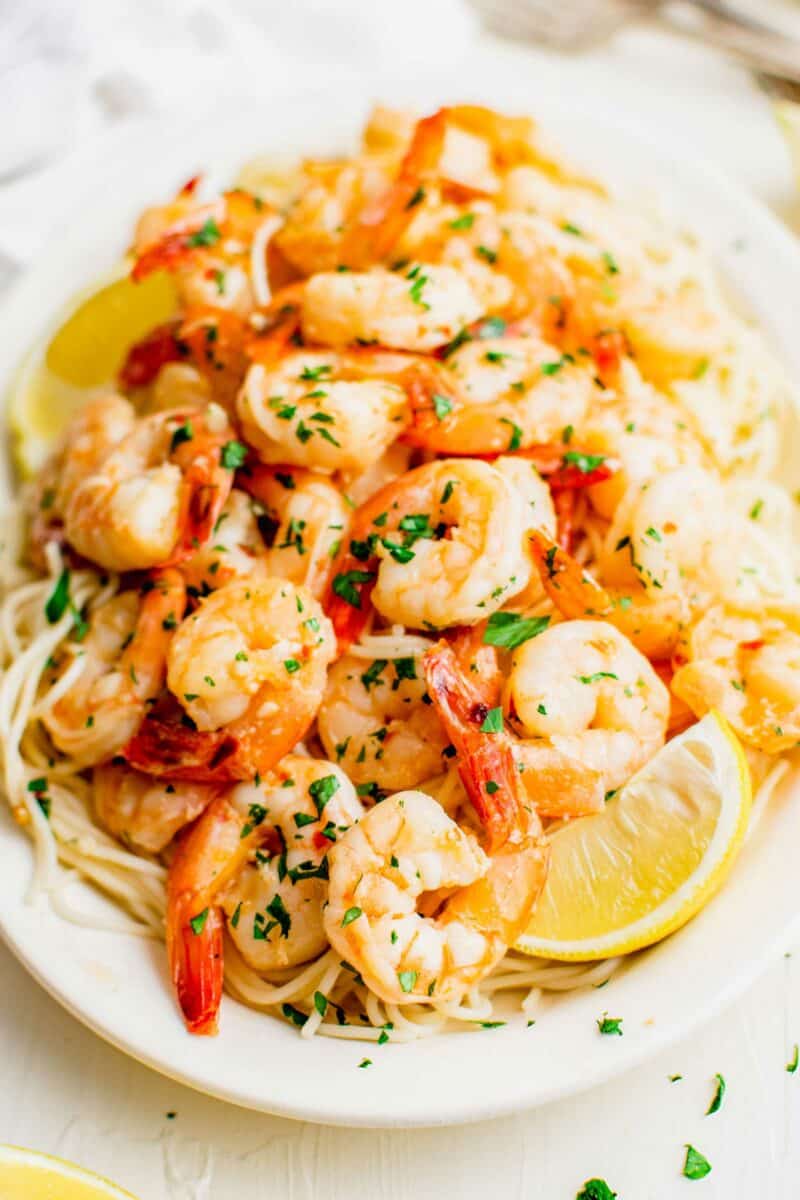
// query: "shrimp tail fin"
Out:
[194,948]
[169,750]
[572,590]
[485,760]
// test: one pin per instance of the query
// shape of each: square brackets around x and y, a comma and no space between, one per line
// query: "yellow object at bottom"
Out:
[27,1175]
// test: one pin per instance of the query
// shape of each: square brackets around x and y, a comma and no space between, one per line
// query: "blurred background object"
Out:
[575,25]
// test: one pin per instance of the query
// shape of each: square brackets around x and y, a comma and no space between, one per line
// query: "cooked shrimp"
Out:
[92,434]
[419,308]
[466,525]
[498,394]
[653,620]
[154,495]
[310,410]
[404,848]
[210,876]
[217,251]
[143,812]
[748,668]
[304,521]
[122,667]
[248,667]
[590,711]
[274,905]
[377,721]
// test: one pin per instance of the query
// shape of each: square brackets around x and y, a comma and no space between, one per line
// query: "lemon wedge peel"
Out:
[724,780]
[32,1174]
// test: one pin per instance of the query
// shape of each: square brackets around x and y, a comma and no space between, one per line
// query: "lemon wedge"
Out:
[27,1175]
[81,359]
[657,853]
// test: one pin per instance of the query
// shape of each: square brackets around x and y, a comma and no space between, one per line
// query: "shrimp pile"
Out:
[448,469]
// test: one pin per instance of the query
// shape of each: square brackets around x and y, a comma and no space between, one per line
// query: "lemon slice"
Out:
[27,1175]
[81,359]
[660,849]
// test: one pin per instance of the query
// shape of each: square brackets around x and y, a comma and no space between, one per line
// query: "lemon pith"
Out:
[642,868]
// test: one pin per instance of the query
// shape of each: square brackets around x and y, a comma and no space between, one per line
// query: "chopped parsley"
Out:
[351,915]
[696,1165]
[58,600]
[207,235]
[716,1102]
[610,1025]
[184,433]
[493,721]
[466,221]
[442,405]
[294,1015]
[586,463]
[198,922]
[595,1189]
[233,455]
[344,585]
[791,1066]
[598,675]
[516,434]
[509,630]
[407,980]
[321,791]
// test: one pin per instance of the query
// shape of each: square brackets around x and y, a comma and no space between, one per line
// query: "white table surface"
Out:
[64,1091]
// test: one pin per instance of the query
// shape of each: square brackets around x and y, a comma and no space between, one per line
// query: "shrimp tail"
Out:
[485,760]
[382,223]
[169,750]
[145,358]
[572,590]
[195,953]
[206,486]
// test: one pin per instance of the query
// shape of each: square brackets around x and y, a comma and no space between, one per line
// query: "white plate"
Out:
[118,985]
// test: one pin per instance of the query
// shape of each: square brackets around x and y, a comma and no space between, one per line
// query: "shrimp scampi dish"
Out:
[444,500]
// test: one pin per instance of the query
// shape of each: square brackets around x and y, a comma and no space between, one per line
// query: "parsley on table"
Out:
[508,630]
[610,1025]
[595,1189]
[696,1165]
[716,1103]
[791,1066]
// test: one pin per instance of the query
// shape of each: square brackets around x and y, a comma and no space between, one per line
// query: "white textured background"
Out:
[64,1091]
